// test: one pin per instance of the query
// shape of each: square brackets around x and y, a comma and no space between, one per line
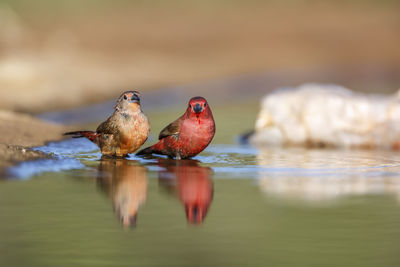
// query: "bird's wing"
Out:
[107,127]
[171,129]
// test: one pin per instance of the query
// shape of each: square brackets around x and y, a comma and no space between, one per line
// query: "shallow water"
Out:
[232,205]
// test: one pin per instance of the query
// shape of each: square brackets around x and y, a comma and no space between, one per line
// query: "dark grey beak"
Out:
[135,99]
[197,108]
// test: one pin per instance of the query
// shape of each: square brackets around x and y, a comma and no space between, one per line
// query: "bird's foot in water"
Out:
[114,156]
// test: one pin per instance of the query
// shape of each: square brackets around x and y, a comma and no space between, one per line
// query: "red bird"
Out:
[187,136]
[124,131]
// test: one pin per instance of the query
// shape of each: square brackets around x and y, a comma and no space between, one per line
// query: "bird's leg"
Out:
[178,156]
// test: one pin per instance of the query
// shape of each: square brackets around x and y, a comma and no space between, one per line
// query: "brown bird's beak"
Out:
[197,108]
[135,99]
[129,221]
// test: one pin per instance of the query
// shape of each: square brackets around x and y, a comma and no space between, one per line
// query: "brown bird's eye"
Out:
[125,97]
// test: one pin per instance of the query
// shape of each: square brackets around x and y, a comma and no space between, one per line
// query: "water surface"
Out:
[232,205]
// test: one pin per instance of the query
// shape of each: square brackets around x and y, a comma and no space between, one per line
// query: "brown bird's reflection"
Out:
[191,183]
[126,184]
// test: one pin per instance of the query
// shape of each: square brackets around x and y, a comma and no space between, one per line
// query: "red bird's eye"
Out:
[190,106]
[205,104]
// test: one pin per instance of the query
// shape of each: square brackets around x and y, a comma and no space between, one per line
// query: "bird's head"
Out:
[195,214]
[198,106]
[128,101]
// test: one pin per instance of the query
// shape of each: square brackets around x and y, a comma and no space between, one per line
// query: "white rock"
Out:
[328,115]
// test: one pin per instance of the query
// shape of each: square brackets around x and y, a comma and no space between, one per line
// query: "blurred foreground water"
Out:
[231,206]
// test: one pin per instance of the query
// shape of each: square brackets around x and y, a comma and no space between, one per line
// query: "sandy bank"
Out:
[18,133]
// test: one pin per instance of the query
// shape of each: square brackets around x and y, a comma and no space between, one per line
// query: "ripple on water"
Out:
[234,161]
[67,156]
[28,169]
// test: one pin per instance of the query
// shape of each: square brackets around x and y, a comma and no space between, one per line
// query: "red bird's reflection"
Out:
[191,183]
[126,184]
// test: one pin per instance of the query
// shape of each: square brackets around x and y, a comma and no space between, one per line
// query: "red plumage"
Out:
[92,136]
[188,135]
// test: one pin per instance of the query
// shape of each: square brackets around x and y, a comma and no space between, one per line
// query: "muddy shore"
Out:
[19,132]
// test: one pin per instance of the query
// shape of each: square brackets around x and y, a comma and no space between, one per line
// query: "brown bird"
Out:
[187,136]
[124,131]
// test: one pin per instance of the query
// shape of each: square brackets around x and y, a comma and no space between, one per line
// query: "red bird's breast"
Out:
[194,136]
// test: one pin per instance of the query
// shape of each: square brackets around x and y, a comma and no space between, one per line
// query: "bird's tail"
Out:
[154,149]
[88,134]
[147,151]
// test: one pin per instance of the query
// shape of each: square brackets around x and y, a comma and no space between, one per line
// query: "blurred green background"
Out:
[95,49]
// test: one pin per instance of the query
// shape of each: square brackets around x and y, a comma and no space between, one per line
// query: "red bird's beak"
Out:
[197,108]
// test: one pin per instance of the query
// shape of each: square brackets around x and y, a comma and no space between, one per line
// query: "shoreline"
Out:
[19,133]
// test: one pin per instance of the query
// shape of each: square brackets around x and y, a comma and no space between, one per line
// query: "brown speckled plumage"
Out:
[124,131]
